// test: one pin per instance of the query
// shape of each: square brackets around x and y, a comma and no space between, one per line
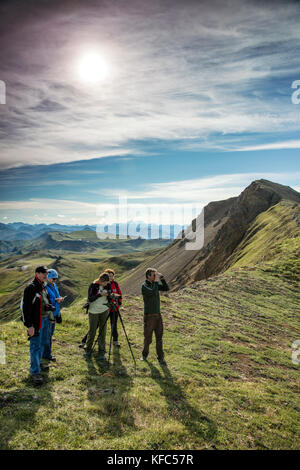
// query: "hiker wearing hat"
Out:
[36,310]
[55,300]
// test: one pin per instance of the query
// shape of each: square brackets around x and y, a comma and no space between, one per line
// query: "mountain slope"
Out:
[273,239]
[225,225]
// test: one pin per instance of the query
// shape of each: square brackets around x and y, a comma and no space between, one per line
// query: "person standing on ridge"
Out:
[98,311]
[36,309]
[55,300]
[114,288]
[154,283]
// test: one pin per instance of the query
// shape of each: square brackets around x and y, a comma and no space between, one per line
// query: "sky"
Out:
[186,102]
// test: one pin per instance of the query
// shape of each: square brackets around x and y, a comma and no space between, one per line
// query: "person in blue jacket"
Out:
[55,300]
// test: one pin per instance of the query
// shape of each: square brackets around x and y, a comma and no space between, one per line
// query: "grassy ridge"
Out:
[273,239]
[230,381]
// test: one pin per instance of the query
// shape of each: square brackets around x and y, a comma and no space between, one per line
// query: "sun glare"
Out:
[93,68]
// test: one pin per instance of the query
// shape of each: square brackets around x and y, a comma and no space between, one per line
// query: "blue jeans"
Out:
[48,346]
[45,337]
[37,346]
[35,360]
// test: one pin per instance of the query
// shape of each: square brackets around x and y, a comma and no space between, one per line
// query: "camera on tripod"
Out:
[113,314]
[112,299]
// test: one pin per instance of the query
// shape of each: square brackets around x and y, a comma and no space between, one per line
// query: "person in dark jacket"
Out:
[154,283]
[114,288]
[35,315]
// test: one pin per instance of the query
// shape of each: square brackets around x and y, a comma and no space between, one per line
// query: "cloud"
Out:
[48,106]
[100,213]
[53,204]
[201,191]
[178,71]
[70,211]
[172,202]
[289,144]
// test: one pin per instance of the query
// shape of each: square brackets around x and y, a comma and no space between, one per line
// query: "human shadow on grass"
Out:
[108,386]
[179,408]
[18,410]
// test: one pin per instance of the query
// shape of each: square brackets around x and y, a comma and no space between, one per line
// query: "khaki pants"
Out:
[96,320]
[153,322]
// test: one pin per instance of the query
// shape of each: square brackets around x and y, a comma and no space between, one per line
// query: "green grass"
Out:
[230,382]
[273,240]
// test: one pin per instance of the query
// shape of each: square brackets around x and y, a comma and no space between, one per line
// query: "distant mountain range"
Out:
[262,224]
[20,231]
[83,241]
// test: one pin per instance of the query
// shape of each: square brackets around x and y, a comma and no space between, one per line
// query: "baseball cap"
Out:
[41,269]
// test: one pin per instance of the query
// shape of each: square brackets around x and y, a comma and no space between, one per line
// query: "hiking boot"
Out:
[50,359]
[44,367]
[162,361]
[116,343]
[37,379]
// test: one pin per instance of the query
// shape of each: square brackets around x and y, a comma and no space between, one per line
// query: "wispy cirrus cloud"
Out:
[289,144]
[201,191]
[179,201]
[46,210]
[197,72]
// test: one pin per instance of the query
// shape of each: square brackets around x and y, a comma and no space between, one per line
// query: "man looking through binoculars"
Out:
[154,283]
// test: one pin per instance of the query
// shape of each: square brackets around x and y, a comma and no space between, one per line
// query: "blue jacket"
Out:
[54,294]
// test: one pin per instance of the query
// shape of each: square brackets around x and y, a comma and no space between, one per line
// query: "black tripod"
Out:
[114,313]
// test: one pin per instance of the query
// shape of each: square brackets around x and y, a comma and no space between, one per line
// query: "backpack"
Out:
[86,307]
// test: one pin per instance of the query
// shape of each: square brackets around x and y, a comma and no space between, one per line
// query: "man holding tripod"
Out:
[154,283]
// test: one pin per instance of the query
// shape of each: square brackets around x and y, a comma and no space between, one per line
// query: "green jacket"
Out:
[150,291]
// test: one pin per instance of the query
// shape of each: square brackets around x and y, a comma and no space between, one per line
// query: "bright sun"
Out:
[93,68]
